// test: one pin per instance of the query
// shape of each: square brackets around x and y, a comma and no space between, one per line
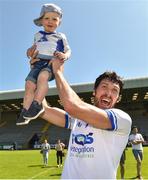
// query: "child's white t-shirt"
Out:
[48,43]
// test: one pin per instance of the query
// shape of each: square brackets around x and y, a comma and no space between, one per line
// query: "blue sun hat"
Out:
[48,8]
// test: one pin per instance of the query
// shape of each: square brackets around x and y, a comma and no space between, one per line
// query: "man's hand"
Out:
[60,55]
[31,54]
[31,51]
[57,65]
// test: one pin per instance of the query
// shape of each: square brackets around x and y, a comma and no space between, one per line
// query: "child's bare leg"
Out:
[42,86]
[30,88]
[28,98]
[36,108]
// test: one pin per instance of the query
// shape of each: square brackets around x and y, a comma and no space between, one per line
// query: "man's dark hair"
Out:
[134,127]
[110,75]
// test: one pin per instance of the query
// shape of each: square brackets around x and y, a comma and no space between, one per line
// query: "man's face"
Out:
[106,94]
[135,130]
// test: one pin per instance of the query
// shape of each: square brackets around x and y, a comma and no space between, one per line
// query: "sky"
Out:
[103,35]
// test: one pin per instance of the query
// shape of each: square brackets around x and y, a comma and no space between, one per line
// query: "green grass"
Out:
[28,165]
[130,165]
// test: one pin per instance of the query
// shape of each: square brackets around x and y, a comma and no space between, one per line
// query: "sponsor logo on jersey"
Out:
[82,139]
[82,145]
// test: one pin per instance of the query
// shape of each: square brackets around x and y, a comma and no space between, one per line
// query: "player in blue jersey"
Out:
[49,44]
[99,132]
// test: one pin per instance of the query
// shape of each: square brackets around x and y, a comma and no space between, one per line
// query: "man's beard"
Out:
[96,102]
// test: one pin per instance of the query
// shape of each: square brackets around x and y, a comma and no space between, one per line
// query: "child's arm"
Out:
[67,51]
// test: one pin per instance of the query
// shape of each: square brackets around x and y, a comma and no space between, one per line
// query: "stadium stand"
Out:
[11,133]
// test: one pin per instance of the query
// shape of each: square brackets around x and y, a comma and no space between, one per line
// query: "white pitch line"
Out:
[39,174]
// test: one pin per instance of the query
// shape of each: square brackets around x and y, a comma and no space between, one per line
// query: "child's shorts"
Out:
[42,65]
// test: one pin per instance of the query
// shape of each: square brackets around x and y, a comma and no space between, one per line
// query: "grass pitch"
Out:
[28,164]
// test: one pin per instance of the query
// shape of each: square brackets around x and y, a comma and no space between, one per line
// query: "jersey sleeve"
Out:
[69,121]
[65,43]
[36,37]
[120,121]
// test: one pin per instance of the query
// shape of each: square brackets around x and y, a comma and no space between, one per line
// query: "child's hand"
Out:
[60,55]
[32,61]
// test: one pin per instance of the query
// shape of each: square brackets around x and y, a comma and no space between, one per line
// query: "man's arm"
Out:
[134,141]
[141,140]
[55,116]
[74,105]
